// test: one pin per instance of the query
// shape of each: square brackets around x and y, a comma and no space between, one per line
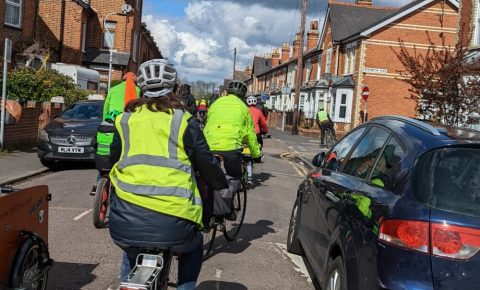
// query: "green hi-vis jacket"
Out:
[104,138]
[230,125]
[154,171]
[115,100]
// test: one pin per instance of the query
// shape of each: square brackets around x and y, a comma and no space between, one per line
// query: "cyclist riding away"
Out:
[188,99]
[114,104]
[157,146]
[324,123]
[258,118]
[229,125]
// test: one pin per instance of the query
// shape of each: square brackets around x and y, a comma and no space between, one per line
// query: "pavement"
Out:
[17,165]
[86,258]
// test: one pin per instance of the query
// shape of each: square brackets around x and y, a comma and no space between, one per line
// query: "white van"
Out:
[87,79]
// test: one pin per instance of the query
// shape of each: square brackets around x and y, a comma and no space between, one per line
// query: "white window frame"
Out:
[338,104]
[19,5]
[353,58]
[346,68]
[476,41]
[328,62]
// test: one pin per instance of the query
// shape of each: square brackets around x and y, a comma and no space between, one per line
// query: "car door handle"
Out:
[329,195]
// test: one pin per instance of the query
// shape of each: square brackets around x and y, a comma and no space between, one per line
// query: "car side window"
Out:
[363,158]
[388,165]
[336,157]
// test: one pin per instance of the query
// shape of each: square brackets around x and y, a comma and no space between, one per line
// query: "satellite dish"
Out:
[127,8]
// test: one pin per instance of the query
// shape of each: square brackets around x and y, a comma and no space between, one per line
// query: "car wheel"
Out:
[336,275]
[293,243]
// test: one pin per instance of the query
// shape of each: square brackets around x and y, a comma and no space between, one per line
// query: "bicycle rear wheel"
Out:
[101,204]
[208,241]
[231,226]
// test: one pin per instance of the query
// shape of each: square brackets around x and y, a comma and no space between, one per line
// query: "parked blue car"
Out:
[393,205]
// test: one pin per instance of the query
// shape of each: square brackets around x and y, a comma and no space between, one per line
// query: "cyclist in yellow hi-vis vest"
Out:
[324,123]
[157,148]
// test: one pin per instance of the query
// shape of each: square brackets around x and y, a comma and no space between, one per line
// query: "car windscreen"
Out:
[83,111]
[449,179]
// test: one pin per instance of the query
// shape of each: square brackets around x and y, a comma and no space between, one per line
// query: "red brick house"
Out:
[17,18]
[360,53]
[74,32]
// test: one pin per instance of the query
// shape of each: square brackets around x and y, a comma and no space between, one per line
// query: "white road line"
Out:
[82,215]
[297,260]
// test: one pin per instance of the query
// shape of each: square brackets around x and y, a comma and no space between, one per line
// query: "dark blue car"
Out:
[395,204]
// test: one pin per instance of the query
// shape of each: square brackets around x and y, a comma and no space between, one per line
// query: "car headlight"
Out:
[43,136]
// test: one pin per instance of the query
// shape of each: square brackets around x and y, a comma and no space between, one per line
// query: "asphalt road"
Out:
[86,258]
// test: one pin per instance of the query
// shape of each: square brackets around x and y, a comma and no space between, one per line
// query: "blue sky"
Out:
[199,35]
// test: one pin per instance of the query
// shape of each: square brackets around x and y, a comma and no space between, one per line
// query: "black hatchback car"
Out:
[395,204]
[71,136]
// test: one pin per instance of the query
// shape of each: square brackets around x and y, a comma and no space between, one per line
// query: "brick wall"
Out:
[25,132]
[466,23]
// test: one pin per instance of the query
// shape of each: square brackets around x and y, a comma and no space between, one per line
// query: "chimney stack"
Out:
[367,3]
[249,70]
[312,35]
[285,52]
[275,57]
[296,45]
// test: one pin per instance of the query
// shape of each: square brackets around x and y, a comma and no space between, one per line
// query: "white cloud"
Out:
[201,43]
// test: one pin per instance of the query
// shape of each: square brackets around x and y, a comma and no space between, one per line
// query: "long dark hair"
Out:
[163,104]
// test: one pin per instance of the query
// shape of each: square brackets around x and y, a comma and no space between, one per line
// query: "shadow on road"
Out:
[70,275]
[220,285]
[259,178]
[248,233]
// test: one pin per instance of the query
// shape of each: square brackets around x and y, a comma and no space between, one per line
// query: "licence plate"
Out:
[76,150]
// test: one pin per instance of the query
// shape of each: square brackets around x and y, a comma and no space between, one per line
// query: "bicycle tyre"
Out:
[239,211]
[101,204]
[27,258]
[163,279]
[173,272]
[208,241]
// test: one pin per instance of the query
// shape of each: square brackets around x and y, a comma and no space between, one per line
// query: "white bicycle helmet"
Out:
[251,101]
[156,78]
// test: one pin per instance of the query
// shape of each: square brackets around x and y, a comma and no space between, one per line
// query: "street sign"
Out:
[365,93]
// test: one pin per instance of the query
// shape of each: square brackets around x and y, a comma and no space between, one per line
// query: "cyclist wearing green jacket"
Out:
[115,100]
[229,126]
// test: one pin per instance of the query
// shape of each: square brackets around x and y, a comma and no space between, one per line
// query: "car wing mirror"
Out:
[318,159]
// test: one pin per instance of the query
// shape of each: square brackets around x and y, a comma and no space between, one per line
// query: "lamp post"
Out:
[110,61]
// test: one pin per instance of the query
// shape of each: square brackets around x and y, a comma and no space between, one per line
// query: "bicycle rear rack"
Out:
[145,274]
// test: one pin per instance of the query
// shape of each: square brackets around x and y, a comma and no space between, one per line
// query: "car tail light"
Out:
[439,239]
[407,234]
[454,241]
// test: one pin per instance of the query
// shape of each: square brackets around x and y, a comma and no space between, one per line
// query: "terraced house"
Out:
[359,43]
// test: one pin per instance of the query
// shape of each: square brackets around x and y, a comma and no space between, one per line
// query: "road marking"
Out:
[66,208]
[284,157]
[300,266]
[82,215]
[218,277]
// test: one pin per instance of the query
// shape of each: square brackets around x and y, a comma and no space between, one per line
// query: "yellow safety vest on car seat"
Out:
[154,170]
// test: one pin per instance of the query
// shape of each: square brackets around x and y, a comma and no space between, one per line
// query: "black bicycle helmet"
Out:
[237,88]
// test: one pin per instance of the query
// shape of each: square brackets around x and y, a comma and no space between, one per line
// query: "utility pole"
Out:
[234,62]
[298,83]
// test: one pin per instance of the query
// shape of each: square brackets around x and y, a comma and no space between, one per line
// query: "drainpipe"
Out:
[62,32]
[36,19]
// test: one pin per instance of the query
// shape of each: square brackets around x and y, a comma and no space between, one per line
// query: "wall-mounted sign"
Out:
[375,70]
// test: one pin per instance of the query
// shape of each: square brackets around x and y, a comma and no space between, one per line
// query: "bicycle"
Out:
[330,138]
[101,203]
[231,225]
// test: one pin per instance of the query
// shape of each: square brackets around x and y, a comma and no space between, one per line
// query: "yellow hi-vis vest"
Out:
[322,116]
[154,171]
